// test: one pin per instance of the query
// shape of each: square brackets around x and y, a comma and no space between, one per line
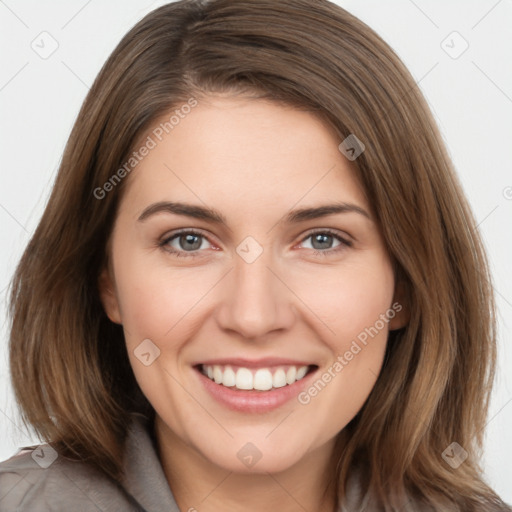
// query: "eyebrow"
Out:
[211,215]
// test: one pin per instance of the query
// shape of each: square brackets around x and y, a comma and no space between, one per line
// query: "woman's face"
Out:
[267,286]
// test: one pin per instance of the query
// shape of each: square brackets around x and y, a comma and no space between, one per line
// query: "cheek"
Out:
[154,299]
[354,308]
[347,299]
[157,304]
[354,305]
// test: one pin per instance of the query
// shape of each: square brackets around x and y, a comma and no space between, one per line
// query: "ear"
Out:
[400,305]
[108,296]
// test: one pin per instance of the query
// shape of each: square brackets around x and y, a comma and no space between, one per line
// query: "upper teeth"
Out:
[261,379]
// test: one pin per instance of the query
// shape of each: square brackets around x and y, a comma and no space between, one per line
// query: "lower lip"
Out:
[254,401]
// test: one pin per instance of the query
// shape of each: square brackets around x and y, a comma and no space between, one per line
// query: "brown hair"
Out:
[69,365]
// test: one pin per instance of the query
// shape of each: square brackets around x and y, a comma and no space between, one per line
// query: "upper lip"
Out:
[255,363]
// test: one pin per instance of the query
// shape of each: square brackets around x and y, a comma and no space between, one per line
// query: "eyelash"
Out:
[193,254]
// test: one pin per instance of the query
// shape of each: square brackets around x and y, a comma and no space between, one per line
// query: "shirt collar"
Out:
[144,478]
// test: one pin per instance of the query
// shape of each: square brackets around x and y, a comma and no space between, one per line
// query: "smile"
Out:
[259,379]
[254,386]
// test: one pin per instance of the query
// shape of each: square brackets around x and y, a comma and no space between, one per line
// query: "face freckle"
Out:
[214,263]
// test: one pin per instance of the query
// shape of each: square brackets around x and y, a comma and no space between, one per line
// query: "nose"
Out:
[256,300]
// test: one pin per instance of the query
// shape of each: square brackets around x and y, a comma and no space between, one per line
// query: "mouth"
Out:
[255,378]
[254,386]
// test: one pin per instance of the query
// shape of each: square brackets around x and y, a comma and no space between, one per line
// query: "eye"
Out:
[189,242]
[185,243]
[321,242]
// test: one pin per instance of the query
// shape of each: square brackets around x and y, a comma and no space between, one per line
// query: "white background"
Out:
[471,97]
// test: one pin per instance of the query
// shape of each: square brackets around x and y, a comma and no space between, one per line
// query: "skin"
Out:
[253,161]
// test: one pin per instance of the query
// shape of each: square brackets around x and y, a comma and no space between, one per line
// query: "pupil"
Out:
[190,239]
[322,239]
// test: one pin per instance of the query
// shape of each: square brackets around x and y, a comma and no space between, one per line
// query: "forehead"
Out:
[236,151]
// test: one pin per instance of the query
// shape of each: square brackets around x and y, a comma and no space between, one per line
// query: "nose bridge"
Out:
[257,301]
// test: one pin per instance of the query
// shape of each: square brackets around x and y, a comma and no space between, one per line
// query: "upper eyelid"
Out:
[184,231]
[309,233]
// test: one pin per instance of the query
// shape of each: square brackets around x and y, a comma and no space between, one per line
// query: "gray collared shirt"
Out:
[27,485]
[36,479]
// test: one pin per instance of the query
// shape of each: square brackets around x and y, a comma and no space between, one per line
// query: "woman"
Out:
[255,369]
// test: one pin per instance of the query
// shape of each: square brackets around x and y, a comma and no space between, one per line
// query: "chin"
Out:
[253,458]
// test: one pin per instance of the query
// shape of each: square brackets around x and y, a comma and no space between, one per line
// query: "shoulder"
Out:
[357,499]
[362,500]
[37,479]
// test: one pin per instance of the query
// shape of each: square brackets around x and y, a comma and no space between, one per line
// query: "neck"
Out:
[198,484]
